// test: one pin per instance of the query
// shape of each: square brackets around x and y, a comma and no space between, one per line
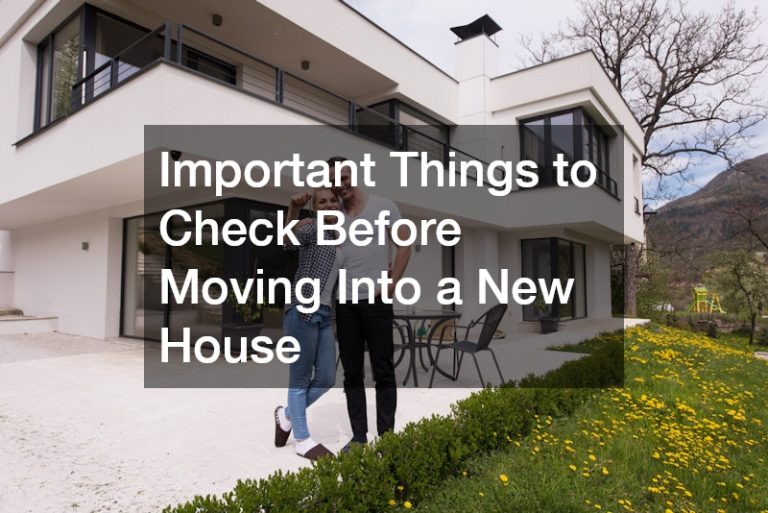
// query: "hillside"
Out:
[713,217]
[687,433]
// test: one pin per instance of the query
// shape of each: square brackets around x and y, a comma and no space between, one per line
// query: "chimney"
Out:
[476,64]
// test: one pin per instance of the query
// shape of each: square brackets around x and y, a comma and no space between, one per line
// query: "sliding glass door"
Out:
[552,258]
[145,254]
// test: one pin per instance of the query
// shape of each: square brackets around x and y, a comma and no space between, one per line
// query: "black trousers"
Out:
[356,326]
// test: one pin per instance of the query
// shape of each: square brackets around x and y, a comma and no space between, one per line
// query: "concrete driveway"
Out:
[79,432]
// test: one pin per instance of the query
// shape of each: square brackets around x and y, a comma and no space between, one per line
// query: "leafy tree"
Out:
[741,279]
[654,287]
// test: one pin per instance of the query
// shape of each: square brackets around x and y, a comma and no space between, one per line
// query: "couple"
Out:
[357,324]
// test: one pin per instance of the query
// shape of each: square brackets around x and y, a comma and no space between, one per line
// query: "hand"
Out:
[300,199]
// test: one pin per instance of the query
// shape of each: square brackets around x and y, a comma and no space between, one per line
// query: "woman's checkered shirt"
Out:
[315,261]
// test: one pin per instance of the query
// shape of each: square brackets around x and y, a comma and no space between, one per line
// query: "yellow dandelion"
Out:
[407,505]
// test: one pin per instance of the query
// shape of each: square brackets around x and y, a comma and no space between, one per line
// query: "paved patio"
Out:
[80,433]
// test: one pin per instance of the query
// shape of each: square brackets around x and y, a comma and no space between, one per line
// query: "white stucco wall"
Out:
[416,78]
[6,270]
[56,277]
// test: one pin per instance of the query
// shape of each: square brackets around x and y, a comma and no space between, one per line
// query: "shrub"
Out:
[413,463]
[712,331]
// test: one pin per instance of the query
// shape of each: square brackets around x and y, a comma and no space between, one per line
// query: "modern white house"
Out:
[83,79]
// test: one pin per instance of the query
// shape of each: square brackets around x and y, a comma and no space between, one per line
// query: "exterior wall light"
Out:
[217,20]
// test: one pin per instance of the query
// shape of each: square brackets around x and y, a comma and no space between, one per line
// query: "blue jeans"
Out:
[318,354]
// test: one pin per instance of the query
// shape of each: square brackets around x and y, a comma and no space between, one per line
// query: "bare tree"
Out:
[687,76]
[746,206]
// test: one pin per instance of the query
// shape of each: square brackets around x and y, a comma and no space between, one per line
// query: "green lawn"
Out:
[688,433]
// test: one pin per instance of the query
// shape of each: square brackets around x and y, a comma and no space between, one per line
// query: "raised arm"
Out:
[303,233]
[298,201]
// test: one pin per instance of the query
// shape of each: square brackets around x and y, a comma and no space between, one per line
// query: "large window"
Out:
[145,254]
[58,69]
[553,258]
[574,134]
[74,61]
[85,41]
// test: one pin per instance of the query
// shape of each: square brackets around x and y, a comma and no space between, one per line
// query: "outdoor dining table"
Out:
[415,341]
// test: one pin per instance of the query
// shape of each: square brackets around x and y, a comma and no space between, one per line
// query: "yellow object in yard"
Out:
[714,305]
[704,302]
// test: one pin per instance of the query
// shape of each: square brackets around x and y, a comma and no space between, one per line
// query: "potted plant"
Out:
[549,323]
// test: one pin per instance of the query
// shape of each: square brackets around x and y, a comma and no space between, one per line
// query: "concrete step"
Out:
[20,324]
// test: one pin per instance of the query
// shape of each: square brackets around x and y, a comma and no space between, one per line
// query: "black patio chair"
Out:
[490,321]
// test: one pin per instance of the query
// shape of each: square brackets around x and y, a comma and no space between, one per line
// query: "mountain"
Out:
[720,215]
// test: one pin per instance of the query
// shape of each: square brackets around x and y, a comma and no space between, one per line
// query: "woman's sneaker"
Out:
[282,431]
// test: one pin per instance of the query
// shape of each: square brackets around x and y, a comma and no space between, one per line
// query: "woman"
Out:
[315,370]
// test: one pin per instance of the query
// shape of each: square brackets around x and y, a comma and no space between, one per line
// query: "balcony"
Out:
[195,51]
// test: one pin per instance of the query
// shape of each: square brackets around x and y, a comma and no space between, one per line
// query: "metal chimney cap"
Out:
[483,25]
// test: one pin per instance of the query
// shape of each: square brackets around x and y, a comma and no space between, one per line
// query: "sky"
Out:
[425,29]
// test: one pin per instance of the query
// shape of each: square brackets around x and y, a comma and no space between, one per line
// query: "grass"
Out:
[687,433]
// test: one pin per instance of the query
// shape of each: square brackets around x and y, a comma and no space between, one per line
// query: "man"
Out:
[367,323]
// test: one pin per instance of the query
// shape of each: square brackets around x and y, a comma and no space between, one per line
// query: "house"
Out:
[83,79]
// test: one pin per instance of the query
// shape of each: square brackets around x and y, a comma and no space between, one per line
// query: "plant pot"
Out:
[549,324]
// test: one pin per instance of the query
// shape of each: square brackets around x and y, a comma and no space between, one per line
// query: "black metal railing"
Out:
[149,48]
[216,59]
[548,178]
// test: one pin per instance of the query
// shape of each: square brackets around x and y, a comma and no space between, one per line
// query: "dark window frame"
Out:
[581,119]
[41,46]
[193,57]
[233,207]
[554,264]
[88,23]
[395,105]
[88,15]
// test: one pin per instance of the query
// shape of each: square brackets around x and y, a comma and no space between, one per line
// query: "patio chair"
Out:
[490,321]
